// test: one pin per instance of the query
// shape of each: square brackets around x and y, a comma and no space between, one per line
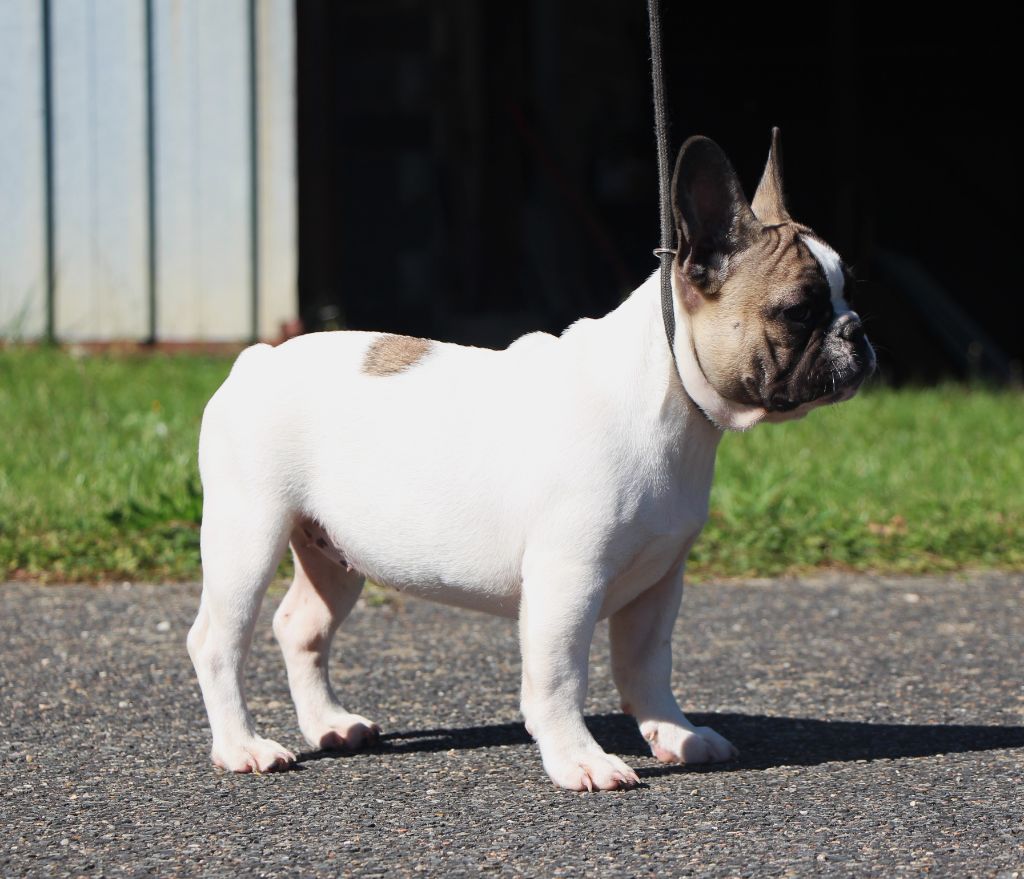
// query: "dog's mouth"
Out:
[830,382]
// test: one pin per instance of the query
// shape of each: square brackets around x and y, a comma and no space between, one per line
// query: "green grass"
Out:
[897,481]
[98,478]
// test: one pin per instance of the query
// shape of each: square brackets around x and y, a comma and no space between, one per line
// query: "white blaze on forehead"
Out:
[832,266]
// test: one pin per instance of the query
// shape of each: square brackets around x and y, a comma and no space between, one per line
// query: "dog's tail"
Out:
[250,354]
[225,409]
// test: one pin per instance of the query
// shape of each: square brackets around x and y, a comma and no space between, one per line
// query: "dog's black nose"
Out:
[849,327]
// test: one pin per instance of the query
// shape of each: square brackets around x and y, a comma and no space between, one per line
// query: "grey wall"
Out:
[207,277]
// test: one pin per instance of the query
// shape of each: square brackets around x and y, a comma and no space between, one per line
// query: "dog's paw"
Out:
[254,755]
[672,743]
[590,771]
[340,731]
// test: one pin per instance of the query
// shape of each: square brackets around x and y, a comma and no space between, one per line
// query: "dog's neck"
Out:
[724,414]
[681,390]
[630,359]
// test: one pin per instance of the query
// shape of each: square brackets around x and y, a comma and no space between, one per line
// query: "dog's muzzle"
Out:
[848,355]
[843,362]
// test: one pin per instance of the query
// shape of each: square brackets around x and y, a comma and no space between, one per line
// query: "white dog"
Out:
[560,481]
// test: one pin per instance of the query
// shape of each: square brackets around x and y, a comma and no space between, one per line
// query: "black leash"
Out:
[666,251]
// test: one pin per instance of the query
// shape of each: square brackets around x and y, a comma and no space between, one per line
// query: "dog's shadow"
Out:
[764,742]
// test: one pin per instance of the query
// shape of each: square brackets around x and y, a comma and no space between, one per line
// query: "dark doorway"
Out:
[472,171]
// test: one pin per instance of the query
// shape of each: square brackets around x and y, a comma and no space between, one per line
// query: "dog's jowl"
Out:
[560,481]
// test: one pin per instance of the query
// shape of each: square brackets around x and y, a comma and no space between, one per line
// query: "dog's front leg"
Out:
[557,615]
[641,643]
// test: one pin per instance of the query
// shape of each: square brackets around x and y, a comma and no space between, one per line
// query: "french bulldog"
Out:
[560,481]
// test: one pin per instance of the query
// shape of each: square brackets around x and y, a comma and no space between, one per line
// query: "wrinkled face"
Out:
[764,297]
[777,332]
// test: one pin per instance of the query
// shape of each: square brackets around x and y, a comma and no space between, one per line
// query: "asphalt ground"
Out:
[880,724]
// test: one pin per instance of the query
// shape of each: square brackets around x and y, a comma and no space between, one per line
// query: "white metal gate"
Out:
[147,169]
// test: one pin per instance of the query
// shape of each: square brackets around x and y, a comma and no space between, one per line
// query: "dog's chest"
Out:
[652,558]
[641,572]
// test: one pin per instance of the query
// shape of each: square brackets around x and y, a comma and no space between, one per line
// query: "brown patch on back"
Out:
[390,354]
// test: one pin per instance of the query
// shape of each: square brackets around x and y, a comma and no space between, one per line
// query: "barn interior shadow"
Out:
[764,742]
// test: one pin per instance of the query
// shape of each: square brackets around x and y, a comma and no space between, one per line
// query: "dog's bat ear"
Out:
[769,205]
[711,212]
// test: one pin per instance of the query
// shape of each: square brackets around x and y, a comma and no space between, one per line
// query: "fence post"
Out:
[48,183]
[254,172]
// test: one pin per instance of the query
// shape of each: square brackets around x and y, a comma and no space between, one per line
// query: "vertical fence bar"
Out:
[254,171]
[48,182]
[151,242]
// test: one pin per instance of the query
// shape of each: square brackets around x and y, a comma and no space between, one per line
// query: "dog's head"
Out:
[763,296]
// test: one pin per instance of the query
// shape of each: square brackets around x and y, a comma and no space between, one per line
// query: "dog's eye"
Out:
[799,314]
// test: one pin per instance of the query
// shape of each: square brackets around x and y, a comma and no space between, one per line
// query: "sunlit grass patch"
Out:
[98,474]
[911,480]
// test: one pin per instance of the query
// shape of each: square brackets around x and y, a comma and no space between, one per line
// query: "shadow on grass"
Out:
[764,742]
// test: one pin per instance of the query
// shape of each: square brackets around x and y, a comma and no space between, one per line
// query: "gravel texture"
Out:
[880,724]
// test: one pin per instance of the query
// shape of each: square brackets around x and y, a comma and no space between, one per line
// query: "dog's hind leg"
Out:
[241,543]
[321,596]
